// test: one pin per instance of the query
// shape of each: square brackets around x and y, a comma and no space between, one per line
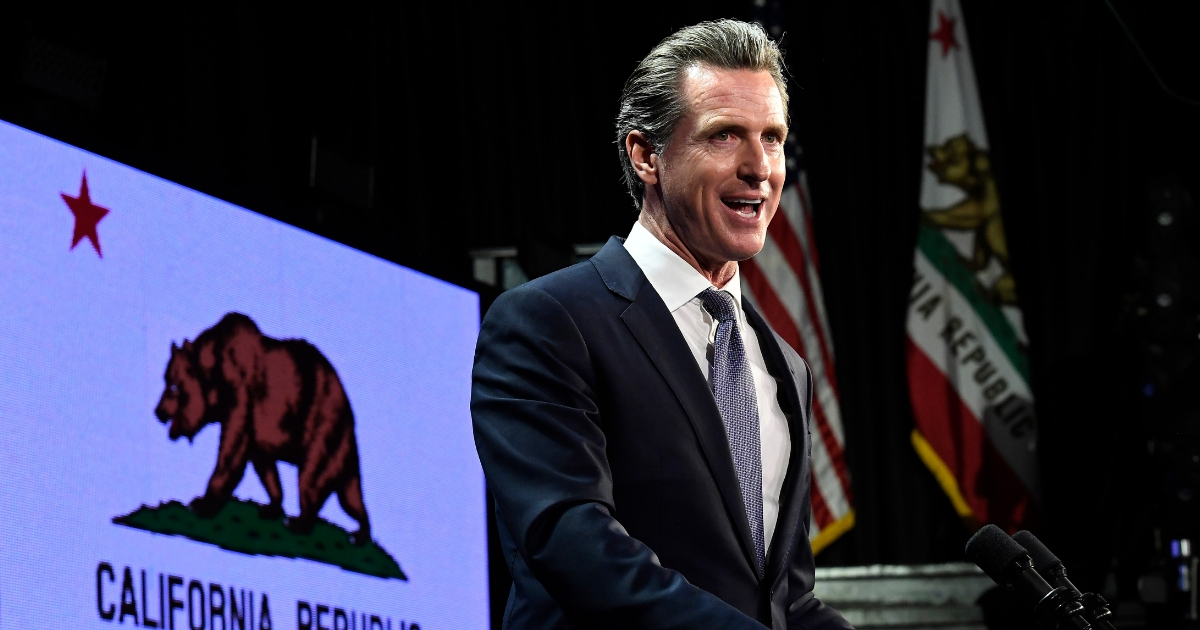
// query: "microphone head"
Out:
[1044,560]
[994,552]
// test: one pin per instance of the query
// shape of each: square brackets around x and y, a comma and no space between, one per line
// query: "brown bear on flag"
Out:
[276,400]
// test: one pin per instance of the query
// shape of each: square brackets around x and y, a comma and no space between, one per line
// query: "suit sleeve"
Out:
[538,431]
[805,611]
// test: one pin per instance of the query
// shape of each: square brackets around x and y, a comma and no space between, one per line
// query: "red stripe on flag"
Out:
[832,447]
[986,481]
[772,309]
[806,209]
[811,250]
[820,509]
[793,251]
[777,315]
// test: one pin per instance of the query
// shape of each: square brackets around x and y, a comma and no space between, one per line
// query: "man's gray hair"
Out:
[652,102]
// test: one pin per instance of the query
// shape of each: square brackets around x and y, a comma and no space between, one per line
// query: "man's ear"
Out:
[641,154]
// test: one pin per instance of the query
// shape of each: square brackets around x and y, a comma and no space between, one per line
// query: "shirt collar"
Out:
[672,277]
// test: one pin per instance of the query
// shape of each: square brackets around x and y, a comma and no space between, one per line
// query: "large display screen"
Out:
[212,420]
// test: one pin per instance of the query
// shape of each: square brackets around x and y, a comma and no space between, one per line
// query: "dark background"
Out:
[449,127]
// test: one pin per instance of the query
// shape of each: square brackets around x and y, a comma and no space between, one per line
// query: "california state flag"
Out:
[968,374]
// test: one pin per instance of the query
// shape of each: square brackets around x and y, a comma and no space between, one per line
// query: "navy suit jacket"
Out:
[616,496]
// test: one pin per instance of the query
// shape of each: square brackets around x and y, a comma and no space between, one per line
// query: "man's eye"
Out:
[721,135]
[771,138]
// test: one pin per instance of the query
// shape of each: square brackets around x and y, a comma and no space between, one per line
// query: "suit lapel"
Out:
[649,321]
[795,485]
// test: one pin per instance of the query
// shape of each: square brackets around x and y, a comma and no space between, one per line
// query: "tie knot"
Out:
[719,304]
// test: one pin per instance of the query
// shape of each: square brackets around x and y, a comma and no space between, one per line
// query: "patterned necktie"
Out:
[733,387]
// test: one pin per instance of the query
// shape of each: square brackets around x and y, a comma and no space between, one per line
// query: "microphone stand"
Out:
[1009,565]
[1095,607]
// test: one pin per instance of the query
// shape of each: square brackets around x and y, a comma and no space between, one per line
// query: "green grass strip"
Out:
[940,251]
[238,527]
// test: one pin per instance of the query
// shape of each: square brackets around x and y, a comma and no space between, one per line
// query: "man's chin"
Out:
[745,249]
[740,242]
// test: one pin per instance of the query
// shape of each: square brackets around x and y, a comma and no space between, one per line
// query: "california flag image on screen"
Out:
[211,419]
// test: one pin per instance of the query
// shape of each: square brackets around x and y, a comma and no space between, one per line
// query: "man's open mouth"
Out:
[744,206]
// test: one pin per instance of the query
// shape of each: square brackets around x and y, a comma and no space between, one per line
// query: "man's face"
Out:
[723,168]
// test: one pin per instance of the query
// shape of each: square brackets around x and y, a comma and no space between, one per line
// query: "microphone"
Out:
[1009,565]
[1095,607]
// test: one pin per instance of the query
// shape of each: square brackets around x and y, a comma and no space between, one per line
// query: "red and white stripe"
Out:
[783,283]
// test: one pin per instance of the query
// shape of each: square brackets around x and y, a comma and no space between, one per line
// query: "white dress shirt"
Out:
[678,284]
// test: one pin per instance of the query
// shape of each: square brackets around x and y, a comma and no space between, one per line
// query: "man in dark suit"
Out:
[643,430]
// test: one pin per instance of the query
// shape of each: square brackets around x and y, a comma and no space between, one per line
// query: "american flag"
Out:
[784,284]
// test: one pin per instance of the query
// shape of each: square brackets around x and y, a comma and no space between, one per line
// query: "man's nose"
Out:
[755,166]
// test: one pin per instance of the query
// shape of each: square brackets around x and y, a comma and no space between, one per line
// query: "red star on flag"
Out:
[87,215]
[945,33]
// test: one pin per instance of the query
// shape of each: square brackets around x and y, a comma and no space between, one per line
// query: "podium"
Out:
[914,597]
